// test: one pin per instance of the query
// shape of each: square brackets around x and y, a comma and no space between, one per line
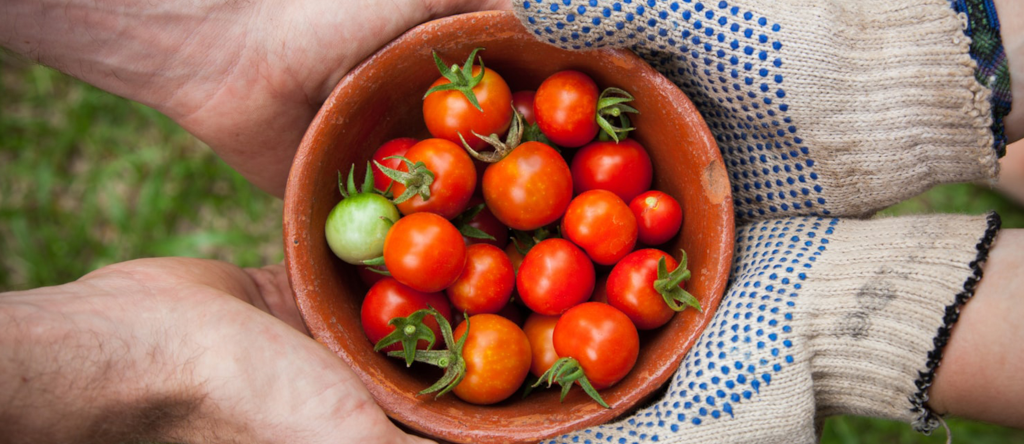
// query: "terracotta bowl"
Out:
[380,100]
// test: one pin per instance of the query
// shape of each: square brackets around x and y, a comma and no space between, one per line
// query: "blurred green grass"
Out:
[89,179]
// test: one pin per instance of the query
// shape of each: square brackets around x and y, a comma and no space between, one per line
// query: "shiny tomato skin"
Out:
[393,147]
[449,113]
[454,178]
[631,288]
[555,275]
[623,168]
[486,283]
[523,102]
[601,338]
[602,224]
[659,217]
[539,330]
[565,107]
[497,355]
[529,188]
[389,299]
[425,251]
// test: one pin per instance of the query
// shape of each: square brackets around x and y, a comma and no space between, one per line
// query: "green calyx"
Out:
[462,223]
[417,180]
[566,371]
[450,360]
[349,188]
[460,79]
[667,285]
[611,105]
[408,331]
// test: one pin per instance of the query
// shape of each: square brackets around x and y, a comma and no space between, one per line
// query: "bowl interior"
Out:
[382,99]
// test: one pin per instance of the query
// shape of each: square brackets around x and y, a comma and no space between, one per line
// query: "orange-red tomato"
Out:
[659,217]
[565,107]
[449,113]
[393,147]
[486,282]
[425,251]
[601,338]
[623,168]
[602,224]
[389,299]
[497,355]
[539,330]
[529,188]
[631,288]
[554,276]
[454,178]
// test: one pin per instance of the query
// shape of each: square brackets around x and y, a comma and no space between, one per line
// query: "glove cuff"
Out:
[884,309]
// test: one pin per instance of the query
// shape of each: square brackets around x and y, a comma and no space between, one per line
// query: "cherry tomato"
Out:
[449,113]
[529,188]
[554,276]
[539,330]
[601,338]
[631,288]
[497,355]
[600,223]
[565,107]
[389,299]
[486,283]
[523,102]
[425,251]
[454,178]
[658,215]
[623,168]
[394,147]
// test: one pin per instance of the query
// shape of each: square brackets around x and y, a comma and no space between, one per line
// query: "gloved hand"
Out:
[820,109]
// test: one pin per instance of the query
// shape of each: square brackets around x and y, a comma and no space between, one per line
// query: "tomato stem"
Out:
[450,360]
[460,80]
[612,103]
[565,371]
[408,331]
[668,285]
[417,180]
[501,149]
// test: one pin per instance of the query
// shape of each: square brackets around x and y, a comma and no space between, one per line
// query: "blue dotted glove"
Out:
[820,109]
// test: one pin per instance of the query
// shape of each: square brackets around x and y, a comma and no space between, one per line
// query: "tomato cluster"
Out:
[563,206]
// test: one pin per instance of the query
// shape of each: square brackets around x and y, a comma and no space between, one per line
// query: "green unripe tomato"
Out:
[357,226]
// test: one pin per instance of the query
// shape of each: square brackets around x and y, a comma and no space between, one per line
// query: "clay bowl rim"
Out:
[445,418]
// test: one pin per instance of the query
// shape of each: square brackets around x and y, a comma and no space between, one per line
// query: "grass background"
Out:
[88,179]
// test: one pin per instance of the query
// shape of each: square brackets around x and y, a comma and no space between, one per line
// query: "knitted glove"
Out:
[819,107]
[824,317]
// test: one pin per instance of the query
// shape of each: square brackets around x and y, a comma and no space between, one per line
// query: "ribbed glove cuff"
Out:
[886,296]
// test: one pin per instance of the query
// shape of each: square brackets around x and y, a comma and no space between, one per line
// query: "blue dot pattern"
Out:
[727,60]
[749,342]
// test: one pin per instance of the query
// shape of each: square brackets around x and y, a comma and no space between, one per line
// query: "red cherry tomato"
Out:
[623,168]
[658,215]
[389,299]
[565,107]
[449,113]
[497,355]
[554,276]
[394,147]
[539,330]
[425,251]
[600,223]
[523,102]
[486,282]
[454,178]
[601,338]
[529,188]
[631,288]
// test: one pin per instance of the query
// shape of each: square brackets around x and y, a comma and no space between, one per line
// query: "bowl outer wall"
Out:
[381,99]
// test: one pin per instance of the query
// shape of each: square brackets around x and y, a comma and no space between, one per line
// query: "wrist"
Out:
[79,368]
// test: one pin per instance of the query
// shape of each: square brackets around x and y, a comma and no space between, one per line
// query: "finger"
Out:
[276,295]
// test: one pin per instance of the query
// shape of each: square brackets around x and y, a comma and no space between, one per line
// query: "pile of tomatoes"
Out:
[467,225]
